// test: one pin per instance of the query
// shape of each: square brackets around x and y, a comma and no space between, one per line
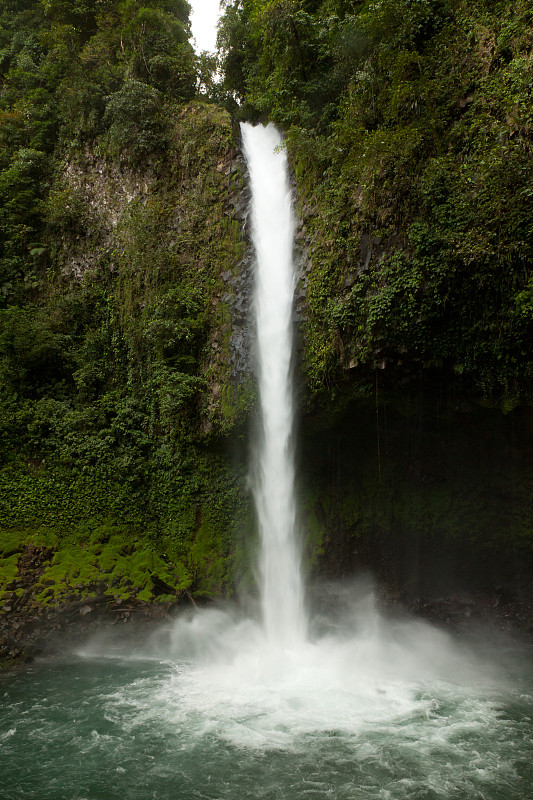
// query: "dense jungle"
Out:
[126,345]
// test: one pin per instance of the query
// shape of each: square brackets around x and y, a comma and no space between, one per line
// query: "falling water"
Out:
[365,705]
[273,233]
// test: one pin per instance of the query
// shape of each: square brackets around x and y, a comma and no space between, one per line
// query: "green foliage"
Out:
[22,185]
[102,413]
[73,72]
[135,121]
[33,357]
[113,233]
[408,124]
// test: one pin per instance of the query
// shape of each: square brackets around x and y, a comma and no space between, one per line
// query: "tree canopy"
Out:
[409,124]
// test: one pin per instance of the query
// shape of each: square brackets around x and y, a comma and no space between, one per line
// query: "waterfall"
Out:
[273,226]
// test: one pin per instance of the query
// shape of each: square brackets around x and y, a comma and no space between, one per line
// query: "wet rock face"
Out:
[33,634]
[30,635]
[240,284]
[239,288]
[98,192]
[31,629]
[427,492]
[32,563]
[229,366]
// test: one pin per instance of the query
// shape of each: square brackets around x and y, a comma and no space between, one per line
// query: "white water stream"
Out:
[272,682]
[268,682]
[273,236]
[217,706]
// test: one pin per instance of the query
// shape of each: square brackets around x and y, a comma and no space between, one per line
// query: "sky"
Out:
[204,18]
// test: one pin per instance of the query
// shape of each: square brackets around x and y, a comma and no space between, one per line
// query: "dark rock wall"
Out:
[430,492]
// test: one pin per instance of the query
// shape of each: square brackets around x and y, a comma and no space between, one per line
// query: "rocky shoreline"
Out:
[29,634]
[30,629]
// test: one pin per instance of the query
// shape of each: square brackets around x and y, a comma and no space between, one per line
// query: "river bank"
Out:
[30,633]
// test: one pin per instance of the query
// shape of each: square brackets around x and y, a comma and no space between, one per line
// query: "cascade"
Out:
[273,233]
[363,706]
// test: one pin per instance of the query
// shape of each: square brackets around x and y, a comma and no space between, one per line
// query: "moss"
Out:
[115,449]
[11,542]
[8,572]
[114,561]
[71,570]
[115,567]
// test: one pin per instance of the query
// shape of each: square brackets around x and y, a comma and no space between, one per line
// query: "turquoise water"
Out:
[393,711]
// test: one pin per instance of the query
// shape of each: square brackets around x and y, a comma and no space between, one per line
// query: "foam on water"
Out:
[361,674]
[382,709]
[219,705]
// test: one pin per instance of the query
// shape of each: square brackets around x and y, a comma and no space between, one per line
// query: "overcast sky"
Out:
[204,18]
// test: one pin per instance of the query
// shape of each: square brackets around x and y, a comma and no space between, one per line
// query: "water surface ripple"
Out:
[388,710]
